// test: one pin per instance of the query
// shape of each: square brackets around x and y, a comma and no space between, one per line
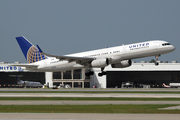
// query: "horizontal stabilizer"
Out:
[24,65]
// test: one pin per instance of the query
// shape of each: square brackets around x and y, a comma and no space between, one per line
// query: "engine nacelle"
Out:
[122,64]
[100,62]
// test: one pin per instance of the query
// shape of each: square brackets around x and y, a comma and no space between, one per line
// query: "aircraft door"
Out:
[156,46]
[123,50]
[126,50]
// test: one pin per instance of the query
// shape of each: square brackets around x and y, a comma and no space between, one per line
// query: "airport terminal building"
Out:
[138,75]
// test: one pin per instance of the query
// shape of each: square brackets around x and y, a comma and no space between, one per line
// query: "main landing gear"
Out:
[102,73]
[99,74]
[89,73]
[156,62]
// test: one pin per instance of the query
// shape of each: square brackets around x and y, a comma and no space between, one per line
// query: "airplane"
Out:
[166,86]
[26,83]
[117,57]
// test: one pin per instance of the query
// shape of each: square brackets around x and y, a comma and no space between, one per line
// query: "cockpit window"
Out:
[166,44]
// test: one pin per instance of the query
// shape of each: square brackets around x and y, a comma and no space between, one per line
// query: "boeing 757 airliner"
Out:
[117,57]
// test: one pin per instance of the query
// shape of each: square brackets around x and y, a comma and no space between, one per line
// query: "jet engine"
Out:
[122,64]
[100,62]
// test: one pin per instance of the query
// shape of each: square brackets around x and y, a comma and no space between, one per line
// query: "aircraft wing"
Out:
[79,60]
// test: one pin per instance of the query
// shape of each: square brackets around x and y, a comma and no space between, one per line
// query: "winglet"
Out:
[40,50]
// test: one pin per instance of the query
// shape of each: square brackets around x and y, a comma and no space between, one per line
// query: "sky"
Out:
[63,27]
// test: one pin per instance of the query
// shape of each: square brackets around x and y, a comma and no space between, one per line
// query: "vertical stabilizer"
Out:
[30,52]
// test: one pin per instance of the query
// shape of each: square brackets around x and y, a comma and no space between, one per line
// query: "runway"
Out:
[67,102]
[85,116]
[106,95]
[96,89]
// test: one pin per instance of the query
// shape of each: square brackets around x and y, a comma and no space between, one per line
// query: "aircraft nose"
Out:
[173,48]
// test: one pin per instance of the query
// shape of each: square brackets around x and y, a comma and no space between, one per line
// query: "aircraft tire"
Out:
[156,63]
[100,74]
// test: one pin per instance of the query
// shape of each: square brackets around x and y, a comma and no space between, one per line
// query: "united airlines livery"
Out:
[117,57]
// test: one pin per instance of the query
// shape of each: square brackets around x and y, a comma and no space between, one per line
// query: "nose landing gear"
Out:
[157,63]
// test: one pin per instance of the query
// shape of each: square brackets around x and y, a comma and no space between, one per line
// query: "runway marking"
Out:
[85,116]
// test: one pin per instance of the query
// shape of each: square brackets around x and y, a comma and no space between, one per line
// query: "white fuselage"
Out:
[115,54]
[29,83]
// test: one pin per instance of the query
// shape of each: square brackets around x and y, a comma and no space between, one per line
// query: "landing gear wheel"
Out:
[89,73]
[156,63]
[104,73]
[100,74]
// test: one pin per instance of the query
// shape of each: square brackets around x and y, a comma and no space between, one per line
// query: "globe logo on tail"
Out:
[33,55]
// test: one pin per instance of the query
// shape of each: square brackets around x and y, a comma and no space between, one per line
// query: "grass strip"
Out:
[143,109]
[90,99]
[146,92]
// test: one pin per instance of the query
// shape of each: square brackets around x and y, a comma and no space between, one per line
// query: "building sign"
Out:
[10,68]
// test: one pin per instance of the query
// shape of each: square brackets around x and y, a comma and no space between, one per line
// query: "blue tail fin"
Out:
[30,52]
